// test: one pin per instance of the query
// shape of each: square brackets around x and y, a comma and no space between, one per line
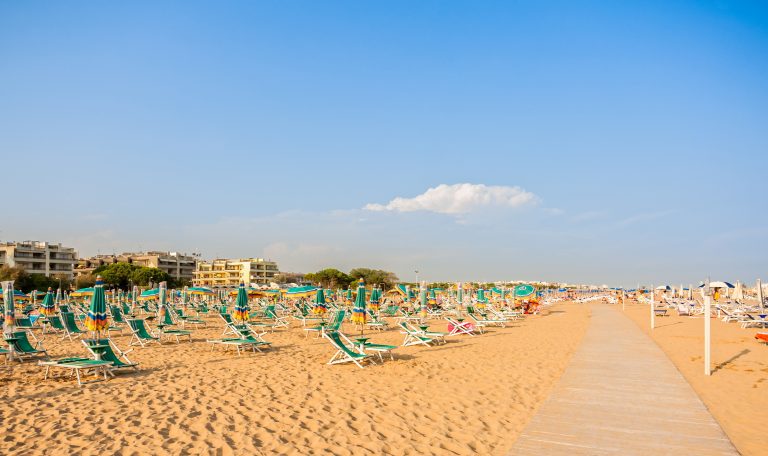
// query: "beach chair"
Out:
[228,324]
[23,348]
[334,325]
[378,349]
[437,336]
[188,319]
[117,315]
[76,365]
[456,327]
[246,338]
[269,320]
[390,311]
[344,354]
[374,322]
[70,325]
[24,323]
[750,321]
[413,337]
[126,309]
[53,324]
[762,337]
[141,334]
[105,350]
[482,320]
[303,314]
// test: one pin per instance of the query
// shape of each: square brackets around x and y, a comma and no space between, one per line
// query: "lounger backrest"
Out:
[117,314]
[23,322]
[69,321]
[138,327]
[106,353]
[22,343]
[333,336]
[55,321]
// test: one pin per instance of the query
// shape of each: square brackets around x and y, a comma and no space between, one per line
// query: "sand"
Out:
[470,396]
[737,391]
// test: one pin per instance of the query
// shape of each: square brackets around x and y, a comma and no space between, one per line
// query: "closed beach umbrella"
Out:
[163,312]
[459,293]
[48,306]
[58,296]
[760,293]
[319,308]
[358,311]
[423,302]
[241,305]
[9,314]
[375,297]
[481,299]
[738,293]
[96,318]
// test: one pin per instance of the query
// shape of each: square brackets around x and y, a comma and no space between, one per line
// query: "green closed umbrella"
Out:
[48,306]
[96,318]
[9,314]
[241,305]
[358,312]
[163,311]
[375,298]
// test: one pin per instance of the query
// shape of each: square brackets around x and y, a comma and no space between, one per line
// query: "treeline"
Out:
[120,275]
[26,282]
[333,278]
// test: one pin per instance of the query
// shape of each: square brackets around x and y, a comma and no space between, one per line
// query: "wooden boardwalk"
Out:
[621,395]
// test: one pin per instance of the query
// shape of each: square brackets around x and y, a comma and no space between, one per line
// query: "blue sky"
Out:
[605,142]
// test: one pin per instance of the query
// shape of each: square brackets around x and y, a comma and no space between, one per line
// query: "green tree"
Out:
[117,274]
[329,278]
[143,276]
[374,277]
[85,281]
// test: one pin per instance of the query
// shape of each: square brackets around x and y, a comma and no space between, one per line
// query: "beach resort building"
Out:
[179,266]
[226,273]
[39,258]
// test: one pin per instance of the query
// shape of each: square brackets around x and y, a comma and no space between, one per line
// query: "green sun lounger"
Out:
[70,325]
[379,349]
[141,334]
[76,365]
[105,350]
[344,354]
[23,348]
[334,325]
[246,338]
[413,337]
[53,323]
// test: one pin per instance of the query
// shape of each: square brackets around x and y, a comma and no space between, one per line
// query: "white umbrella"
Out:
[738,293]
[760,292]
[663,288]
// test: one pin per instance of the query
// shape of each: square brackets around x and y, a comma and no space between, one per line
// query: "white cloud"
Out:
[459,199]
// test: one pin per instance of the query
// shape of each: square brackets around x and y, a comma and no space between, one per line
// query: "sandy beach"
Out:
[473,395]
[735,393]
